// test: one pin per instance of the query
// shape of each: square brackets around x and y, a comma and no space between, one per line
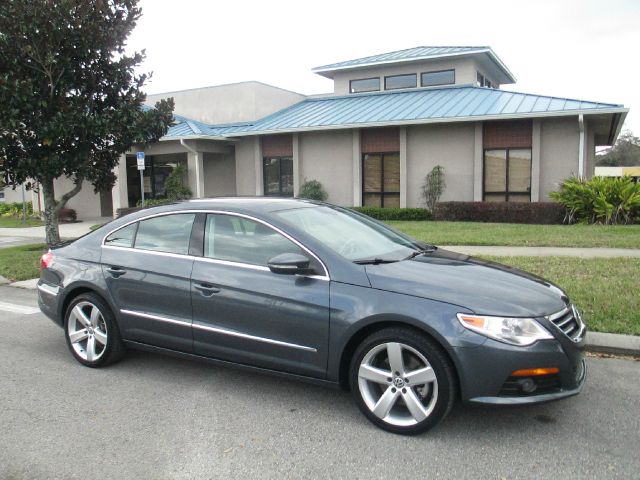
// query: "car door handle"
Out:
[116,271]
[206,289]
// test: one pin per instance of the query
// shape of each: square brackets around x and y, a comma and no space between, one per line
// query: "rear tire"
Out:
[402,381]
[91,331]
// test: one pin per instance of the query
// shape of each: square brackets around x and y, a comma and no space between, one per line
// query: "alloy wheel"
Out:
[87,331]
[397,384]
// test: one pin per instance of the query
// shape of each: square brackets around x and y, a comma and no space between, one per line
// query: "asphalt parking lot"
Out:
[152,416]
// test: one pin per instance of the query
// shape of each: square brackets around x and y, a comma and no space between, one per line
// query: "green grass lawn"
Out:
[605,290]
[13,222]
[21,263]
[477,233]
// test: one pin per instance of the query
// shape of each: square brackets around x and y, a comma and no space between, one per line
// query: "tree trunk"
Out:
[50,212]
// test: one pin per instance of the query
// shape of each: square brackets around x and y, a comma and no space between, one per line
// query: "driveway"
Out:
[152,416]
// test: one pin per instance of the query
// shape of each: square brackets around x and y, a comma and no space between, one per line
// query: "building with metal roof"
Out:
[391,118]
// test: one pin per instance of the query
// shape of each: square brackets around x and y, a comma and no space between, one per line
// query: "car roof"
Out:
[248,204]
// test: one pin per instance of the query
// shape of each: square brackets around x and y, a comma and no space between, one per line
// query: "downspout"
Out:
[581,146]
[197,172]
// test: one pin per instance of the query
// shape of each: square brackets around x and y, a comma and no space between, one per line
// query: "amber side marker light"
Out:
[535,372]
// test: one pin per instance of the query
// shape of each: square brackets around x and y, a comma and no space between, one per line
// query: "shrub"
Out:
[395,213]
[154,202]
[14,209]
[67,215]
[174,184]
[500,212]
[313,190]
[433,187]
[607,200]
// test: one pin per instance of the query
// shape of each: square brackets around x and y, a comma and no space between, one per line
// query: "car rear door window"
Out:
[241,240]
[123,237]
[168,233]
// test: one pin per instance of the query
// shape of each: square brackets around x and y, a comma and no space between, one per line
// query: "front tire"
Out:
[91,331]
[402,381]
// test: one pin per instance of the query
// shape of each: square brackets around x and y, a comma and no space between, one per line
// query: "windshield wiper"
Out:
[422,251]
[373,261]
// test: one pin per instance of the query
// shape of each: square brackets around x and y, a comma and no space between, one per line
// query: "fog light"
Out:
[534,372]
[527,385]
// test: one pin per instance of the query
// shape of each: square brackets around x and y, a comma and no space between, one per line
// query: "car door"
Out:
[242,312]
[147,268]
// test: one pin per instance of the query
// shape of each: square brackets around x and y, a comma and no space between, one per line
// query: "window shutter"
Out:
[509,134]
[277,146]
[380,140]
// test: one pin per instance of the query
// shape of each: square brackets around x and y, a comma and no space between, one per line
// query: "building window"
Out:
[401,81]
[364,85]
[507,175]
[154,176]
[442,77]
[381,179]
[483,81]
[278,176]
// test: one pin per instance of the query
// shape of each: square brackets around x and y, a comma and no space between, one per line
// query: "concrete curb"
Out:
[3,281]
[27,284]
[596,342]
[613,343]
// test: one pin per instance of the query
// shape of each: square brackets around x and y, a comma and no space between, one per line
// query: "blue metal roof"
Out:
[428,105]
[416,53]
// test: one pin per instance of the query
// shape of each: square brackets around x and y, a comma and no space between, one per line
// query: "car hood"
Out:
[484,287]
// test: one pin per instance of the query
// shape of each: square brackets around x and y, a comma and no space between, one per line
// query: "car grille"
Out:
[569,322]
[544,384]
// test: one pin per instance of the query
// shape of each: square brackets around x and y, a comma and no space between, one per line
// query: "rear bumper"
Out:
[48,301]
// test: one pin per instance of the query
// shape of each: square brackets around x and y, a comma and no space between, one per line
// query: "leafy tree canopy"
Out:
[625,153]
[70,100]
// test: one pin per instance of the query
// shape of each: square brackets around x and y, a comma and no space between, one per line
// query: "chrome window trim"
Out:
[48,289]
[150,252]
[222,331]
[214,260]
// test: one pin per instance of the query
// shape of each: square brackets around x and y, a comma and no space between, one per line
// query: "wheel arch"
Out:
[74,291]
[367,328]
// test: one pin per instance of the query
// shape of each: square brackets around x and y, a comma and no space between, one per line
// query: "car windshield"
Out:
[351,235]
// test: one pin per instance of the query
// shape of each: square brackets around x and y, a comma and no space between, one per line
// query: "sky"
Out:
[585,49]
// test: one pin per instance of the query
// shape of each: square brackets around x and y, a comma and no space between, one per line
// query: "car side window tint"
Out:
[123,237]
[236,239]
[168,233]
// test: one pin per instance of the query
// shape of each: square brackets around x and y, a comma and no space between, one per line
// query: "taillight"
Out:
[46,260]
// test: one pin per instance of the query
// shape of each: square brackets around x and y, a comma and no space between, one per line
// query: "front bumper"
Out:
[531,399]
[485,371]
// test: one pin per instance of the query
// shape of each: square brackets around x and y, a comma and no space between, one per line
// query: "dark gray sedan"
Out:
[321,293]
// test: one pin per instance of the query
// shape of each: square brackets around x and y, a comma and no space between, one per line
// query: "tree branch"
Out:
[60,204]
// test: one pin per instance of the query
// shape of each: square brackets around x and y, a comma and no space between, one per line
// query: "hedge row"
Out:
[395,213]
[501,212]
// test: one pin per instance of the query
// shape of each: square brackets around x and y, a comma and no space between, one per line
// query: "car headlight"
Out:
[515,331]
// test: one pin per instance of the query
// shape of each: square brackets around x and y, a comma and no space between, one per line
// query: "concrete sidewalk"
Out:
[67,230]
[499,251]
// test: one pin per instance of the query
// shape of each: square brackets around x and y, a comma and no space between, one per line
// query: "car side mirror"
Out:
[289,264]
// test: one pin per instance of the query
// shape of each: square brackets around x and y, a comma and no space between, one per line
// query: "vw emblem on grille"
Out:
[398,382]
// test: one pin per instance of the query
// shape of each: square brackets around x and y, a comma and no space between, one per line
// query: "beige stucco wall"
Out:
[451,146]
[237,102]
[86,203]
[465,72]
[559,139]
[245,167]
[219,175]
[327,157]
